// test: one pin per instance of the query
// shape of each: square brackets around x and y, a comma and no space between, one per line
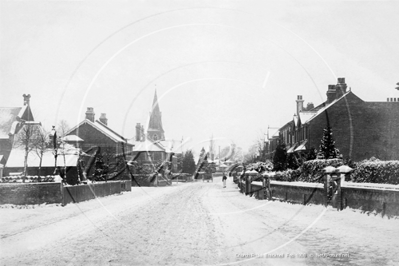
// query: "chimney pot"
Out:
[299,104]
[331,93]
[90,114]
[103,119]
[341,87]
[26,99]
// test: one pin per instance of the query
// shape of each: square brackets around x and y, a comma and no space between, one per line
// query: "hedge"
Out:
[310,171]
[376,171]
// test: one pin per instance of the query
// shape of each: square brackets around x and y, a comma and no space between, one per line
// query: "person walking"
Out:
[224,179]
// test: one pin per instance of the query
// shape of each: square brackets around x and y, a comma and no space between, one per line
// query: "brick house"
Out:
[360,129]
[96,133]
[12,120]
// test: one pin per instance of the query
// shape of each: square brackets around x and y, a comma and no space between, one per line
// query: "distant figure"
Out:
[224,179]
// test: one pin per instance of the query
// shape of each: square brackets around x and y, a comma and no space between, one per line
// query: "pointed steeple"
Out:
[155,130]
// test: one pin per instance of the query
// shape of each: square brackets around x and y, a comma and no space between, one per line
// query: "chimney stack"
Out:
[138,132]
[90,114]
[26,99]
[331,93]
[104,119]
[341,87]
[299,104]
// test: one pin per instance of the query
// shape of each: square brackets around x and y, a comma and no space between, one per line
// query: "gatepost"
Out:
[241,183]
[334,178]
[328,190]
[266,184]
[248,179]
[342,171]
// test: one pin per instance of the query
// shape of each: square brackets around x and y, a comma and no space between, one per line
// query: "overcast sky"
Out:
[224,68]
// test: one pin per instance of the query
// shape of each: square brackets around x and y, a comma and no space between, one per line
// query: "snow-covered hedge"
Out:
[313,169]
[376,171]
[29,179]
[310,171]
[287,175]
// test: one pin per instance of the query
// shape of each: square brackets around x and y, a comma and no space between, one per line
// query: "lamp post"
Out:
[53,138]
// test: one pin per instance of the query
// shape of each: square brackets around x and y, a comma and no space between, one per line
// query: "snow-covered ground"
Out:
[194,224]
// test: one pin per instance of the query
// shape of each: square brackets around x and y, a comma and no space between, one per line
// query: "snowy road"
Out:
[194,224]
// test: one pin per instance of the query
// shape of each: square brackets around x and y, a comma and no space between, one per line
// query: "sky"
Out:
[222,69]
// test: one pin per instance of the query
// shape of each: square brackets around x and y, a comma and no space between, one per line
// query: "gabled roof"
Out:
[102,128]
[306,115]
[10,118]
[324,106]
[8,115]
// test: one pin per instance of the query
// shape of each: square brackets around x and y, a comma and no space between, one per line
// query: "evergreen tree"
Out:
[327,147]
[280,158]
[188,162]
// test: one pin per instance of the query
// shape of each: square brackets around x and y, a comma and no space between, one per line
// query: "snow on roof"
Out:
[22,111]
[8,115]
[306,115]
[17,156]
[102,128]
[296,120]
[147,145]
[326,106]
[73,138]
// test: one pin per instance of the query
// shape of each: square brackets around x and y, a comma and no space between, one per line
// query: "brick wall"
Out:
[384,202]
[39,193]
[360,129]
[93,137]
[30,193]
[299,194]
[81,193]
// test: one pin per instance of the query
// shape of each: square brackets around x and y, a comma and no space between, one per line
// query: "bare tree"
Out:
[41,144]
[27,138]
[63,128]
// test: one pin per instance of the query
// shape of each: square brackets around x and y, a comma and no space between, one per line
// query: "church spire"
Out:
[155,130]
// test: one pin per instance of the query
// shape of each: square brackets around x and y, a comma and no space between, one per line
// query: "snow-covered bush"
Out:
[288,175]
[28,179]
[313,169]
[376,171]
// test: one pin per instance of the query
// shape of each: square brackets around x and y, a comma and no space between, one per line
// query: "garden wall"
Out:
[382,201]
[296,193]
[39,193]
[85,192]
[30,193]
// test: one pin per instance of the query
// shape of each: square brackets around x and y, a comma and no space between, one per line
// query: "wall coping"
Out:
[297,184]
[257,183]
[388,187]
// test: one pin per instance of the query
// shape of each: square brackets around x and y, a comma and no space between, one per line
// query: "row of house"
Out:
[149,149]
[360,129]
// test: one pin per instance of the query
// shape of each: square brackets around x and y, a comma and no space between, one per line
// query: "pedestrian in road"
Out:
[224,179]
